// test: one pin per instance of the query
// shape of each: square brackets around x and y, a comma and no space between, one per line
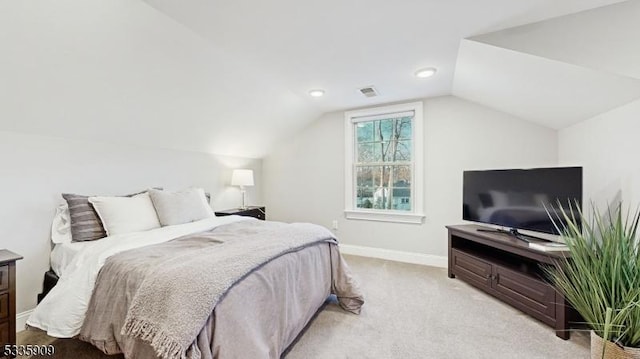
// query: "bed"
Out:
[128,293]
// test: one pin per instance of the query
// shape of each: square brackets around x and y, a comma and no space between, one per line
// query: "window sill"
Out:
[397,217]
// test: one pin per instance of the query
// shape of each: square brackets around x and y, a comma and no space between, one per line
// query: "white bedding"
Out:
[62,312]
[64,253]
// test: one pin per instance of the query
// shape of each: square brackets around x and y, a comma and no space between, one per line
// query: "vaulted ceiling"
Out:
[556,72]
[232,77]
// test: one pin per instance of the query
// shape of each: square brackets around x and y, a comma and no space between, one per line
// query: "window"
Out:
[384,163]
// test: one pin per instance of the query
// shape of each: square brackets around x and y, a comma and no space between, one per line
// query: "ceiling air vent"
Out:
[369,91]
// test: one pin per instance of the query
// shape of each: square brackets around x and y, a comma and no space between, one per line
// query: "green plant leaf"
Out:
[601,276]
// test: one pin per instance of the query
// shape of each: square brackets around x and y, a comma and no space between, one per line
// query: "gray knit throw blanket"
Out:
[173,304]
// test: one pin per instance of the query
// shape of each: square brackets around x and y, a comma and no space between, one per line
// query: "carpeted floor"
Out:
[411,312]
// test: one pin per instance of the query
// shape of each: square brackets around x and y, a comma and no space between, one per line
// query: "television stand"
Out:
[506,268]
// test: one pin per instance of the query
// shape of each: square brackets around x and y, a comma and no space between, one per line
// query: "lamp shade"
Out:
[242,178]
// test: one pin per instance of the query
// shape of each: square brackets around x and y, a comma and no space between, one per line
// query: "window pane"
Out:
[381,193]
[365,131]
[388,153]
[405,128]
[397,151]
[377,176]
[385,127]
[378,151]
[376,130]
[365,186]
[401,200]
[365,177]
[372,187]
[402,176]
[364,197]
[403,151]
[369,152]
[384,173]
[365,152]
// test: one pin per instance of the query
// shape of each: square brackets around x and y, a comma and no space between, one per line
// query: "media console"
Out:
[509,270]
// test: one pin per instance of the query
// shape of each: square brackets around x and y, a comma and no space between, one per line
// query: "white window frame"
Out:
[416,215]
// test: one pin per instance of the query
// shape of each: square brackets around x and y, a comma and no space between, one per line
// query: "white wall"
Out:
[304,176]
[607,147]
[36,169]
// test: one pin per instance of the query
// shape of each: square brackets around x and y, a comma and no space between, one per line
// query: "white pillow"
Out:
[178,207]
[126,214]
[61,226]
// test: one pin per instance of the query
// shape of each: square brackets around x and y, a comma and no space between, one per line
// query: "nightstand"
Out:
[258,212]
[8,297]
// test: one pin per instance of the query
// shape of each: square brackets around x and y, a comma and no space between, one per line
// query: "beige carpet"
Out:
[411,312]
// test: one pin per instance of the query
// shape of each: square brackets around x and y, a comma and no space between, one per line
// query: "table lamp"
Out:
[242,178]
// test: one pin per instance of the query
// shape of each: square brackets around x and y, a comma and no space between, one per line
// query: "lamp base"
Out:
[244,196]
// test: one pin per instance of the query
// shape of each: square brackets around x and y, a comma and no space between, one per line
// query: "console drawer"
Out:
[471,268]
[536,295]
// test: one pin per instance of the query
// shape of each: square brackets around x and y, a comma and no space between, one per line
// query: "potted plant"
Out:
[601,277]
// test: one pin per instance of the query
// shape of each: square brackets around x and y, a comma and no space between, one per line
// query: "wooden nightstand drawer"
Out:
[8,297]
[4,277]
[4,306]
[4,334]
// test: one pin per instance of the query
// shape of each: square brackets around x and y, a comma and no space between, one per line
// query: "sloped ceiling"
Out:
[549,92]
[341,46]
[603,39]
[556,72]
[228,77]
[119,71]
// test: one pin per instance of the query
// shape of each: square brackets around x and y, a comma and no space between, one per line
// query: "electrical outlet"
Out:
[334,225]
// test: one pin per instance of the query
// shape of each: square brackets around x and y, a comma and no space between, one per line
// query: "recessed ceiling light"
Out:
[426,72]
[316,93]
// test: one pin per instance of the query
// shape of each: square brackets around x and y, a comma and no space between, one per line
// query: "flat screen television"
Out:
[516,198]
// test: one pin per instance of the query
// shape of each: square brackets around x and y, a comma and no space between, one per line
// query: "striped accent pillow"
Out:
[85,223]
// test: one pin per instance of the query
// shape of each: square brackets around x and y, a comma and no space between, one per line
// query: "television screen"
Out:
[516,198]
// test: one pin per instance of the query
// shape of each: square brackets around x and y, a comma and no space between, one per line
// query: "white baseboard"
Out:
[21,320]
[398,256]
